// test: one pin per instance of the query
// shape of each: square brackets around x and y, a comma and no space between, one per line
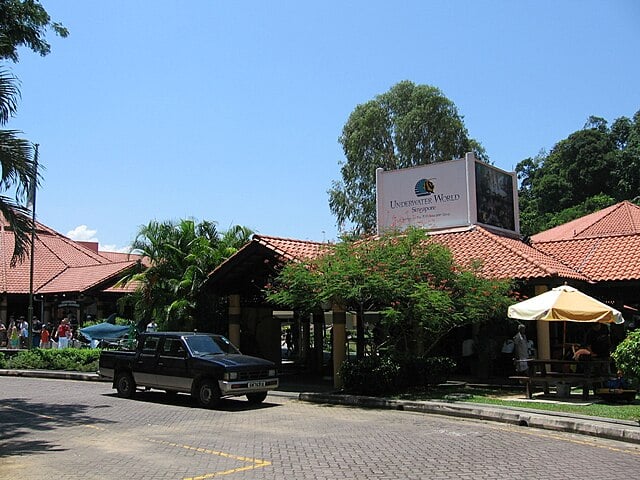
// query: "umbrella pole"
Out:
[564,337]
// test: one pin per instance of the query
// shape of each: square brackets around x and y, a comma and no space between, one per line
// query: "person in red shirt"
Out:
[44,338]
[63,333]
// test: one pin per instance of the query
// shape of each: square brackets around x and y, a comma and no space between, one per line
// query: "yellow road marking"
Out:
[564,438]
[255,462]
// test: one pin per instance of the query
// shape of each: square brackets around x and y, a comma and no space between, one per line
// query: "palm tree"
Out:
[181,256]
[18,168]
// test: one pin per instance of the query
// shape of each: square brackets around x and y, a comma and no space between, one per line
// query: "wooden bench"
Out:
[554,378]
[586,373]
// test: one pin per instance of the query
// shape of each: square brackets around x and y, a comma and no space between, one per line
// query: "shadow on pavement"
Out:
[232,404]
[19,417]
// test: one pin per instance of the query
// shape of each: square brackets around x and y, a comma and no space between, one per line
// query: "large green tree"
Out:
[180,255]
[589,170]
[421,292]
[22,24]
[407,126]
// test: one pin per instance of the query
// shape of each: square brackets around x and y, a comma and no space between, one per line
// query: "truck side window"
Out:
[150,345]
[173,348]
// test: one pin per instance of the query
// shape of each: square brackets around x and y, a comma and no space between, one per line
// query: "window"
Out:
[173,348]
[150,345]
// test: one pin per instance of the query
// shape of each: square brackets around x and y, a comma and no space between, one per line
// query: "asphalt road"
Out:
[66,430]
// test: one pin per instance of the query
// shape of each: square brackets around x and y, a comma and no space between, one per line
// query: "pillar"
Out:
[47,316]
[339,342]
[3,310]
[305,327]
[318,341]
[234,319]
[542,329]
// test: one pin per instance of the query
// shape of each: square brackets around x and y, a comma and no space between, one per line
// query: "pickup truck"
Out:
[205,365]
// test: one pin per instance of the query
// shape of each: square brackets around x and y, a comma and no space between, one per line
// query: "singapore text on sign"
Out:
[447,194]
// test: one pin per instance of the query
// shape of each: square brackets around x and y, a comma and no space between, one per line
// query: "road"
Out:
[80,430]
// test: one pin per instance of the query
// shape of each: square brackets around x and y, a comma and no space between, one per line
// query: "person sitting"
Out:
[582,353]
[597,340]
[619,383]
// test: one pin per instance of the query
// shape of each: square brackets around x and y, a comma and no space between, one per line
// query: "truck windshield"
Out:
[210,345]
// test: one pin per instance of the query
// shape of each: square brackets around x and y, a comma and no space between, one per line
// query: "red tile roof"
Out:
[60,264]
[604,246]
[292,249]
[500,256]
[620,219]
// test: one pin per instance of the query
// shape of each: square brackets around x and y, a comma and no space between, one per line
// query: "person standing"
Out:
[14,337]
[63,333]
[23,330]
[521,350]
[36,330]
[45,340]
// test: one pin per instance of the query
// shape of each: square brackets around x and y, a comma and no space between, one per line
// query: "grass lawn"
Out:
[516,398]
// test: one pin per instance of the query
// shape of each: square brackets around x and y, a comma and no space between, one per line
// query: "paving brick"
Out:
[64,429]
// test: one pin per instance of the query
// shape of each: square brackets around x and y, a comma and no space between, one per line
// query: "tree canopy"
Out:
[414,282]
[407,126]
[589,170]
[181,256]
[24,23]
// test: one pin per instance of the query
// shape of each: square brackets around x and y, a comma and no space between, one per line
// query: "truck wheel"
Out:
[208,393]
[257,397]
[125,385]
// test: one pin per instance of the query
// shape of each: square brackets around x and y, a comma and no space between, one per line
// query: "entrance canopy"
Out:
[565,303]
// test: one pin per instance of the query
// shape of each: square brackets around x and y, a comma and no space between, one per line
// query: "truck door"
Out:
[144,370]
[172,369]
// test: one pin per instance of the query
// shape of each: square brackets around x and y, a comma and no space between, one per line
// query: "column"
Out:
[234,319]
[3,310]
[339,339]
[318,341]
[305,327]
[542,329]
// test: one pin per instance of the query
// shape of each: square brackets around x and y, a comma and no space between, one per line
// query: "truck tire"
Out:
[125,385]
[257,397]
[208,393]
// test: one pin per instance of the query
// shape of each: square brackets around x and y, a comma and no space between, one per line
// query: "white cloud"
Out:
[82,233]
[114,248]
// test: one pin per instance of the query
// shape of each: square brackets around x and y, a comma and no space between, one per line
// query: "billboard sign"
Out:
[446,194]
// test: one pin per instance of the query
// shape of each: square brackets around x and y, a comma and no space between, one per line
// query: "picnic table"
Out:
[588,374]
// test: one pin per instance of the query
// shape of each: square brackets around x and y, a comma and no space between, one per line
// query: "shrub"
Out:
[3,362]
[424,371]
[627,356]
[75,359]
[379,375]
[370,375]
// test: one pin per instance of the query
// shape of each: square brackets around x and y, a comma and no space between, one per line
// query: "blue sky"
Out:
[231,111]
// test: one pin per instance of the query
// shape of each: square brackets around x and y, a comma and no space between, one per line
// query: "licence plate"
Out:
[256,384]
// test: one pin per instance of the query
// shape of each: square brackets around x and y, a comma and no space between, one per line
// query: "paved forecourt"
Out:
[67,430]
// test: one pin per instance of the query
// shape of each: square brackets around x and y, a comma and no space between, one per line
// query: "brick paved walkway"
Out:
[81,430]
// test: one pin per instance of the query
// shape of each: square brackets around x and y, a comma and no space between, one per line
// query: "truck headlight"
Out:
[272,372]
[231,375]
